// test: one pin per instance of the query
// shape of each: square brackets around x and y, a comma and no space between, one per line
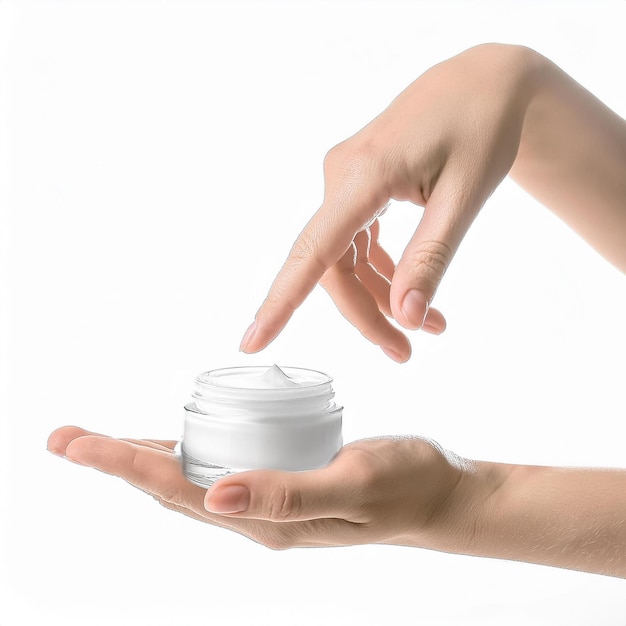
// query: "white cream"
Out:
[265,378]
[259,417]
[275,378]
[272,377]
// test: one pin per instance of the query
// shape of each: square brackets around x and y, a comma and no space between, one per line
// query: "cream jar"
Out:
[244,418]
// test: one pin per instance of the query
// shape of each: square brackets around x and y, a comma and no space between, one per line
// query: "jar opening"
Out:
[264,378]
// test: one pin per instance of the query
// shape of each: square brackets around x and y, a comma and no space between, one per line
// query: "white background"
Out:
[162,157]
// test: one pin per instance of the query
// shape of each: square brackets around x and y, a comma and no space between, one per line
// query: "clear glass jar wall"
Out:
[245,418]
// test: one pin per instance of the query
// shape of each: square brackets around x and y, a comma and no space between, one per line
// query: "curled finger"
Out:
[359,306]
[374,282]
[378,256]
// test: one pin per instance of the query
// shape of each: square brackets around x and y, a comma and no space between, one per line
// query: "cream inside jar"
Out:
[259,417]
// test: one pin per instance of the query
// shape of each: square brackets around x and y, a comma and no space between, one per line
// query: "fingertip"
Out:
[393,355]
[91,449]
[431,330]
[78,449]
[60,438]
[263,330]
[399,352]
[55,441]
[248,337]
[253,346]
[435,323]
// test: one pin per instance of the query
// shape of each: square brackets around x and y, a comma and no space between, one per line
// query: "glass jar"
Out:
[244,418]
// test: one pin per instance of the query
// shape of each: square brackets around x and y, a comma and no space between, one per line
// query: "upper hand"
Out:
[445,143]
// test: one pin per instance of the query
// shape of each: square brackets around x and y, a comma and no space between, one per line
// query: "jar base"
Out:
[201,473]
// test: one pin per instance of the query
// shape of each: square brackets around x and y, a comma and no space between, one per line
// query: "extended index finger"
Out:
[319,246]
[353,196]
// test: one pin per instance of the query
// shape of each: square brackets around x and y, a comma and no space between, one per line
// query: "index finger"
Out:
[324,240]
[316,249]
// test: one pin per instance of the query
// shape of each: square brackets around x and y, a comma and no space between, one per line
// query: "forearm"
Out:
[572,159]
[565,517]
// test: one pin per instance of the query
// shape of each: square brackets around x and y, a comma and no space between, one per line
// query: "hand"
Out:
[445,143]
[393,490]
[402,490]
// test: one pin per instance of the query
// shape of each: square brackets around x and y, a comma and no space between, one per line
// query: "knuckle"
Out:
[170,506]
[283,504]
[306,252]
[351,158]
[164,502]
[377,324]
[172,495]
[336,156]
[305,248]
[430,261]
[368,482]
[135,462]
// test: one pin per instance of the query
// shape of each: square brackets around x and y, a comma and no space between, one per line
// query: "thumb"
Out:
[279,496]
[427,257]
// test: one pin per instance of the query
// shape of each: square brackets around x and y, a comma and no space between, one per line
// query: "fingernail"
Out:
[392,354]
[247,338]
[230,499]
[415,307]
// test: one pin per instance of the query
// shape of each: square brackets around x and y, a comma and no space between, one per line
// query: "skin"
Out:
[397,490]
[445,143]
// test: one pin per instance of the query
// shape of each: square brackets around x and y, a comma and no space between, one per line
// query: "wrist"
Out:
[463,521]
[518,71]
[475,504]
[563,517]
